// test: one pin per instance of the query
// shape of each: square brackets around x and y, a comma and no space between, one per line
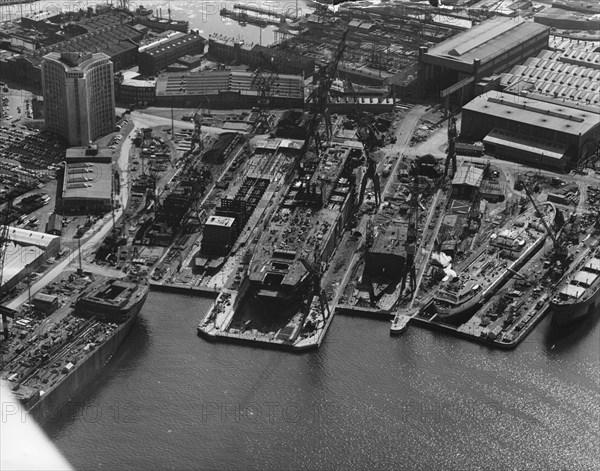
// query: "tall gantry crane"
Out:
[196,142]
[318,99]
[316,274]
[369,138]
[5,312]
[560,250]
[412,234]
[450,166]
[264,79]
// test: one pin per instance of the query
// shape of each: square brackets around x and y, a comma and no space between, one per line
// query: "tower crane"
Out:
[318,99]
[264,80]
[316,275]
[368,137]
[560,250]
[5,312]
[412,235]
[196,143]
[450,167]
[540,215]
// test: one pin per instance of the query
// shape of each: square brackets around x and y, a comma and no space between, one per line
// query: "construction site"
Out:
[445,179]
[406,215]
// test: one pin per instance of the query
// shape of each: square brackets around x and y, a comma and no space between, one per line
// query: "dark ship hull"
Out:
[578,295]
[52,404]
[563,313]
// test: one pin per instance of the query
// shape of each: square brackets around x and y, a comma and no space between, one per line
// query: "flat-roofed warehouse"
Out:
[162,53]
[25,251]
[87,181]
[226,89]
[531,131]
[489,48]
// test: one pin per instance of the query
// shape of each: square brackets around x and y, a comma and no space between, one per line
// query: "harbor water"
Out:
[364,400]
[203,15]
[424,400]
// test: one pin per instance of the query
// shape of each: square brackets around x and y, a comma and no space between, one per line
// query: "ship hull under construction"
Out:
[308,226]
[52,403]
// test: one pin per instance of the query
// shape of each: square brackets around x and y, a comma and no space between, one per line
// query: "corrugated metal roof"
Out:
[468,175]
[27,237]
[487,40]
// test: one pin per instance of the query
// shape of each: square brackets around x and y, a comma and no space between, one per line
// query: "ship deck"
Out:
[582,282]
[303,224]
[43,352]
[516,239]
[191,270]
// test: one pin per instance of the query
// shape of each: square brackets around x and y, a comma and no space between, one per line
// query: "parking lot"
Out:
[17,107]
[28,159]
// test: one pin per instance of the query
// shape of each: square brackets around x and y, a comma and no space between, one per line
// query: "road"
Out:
[518,168]
[148,121]
[123,165]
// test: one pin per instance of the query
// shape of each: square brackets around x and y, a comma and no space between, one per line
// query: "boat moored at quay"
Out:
[577,295]
[506,251]
[46,367]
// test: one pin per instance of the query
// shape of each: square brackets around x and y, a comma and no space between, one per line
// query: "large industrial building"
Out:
[557,75]
[26,251]
[79,98]
[226,89]
[492,47]
[387,258]
[219,235]
[104,33]
[231,51]
[131,89]
[156,56]
[87,182]
[565,19]
[534,132]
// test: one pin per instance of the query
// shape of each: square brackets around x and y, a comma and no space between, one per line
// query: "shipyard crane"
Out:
[450,166]
[368,137]
[316,275]
[369,241]
[412,235]
[196,142]
[366,132]
[5,312]
[370,174]
[540,215]
[369,234]
[264,80]
[318,99]
[560,249]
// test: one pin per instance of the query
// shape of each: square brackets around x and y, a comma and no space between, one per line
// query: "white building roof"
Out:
[222,221]
[468,175]
[30,238]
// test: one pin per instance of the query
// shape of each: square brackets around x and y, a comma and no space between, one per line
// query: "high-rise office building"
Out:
[79,98]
